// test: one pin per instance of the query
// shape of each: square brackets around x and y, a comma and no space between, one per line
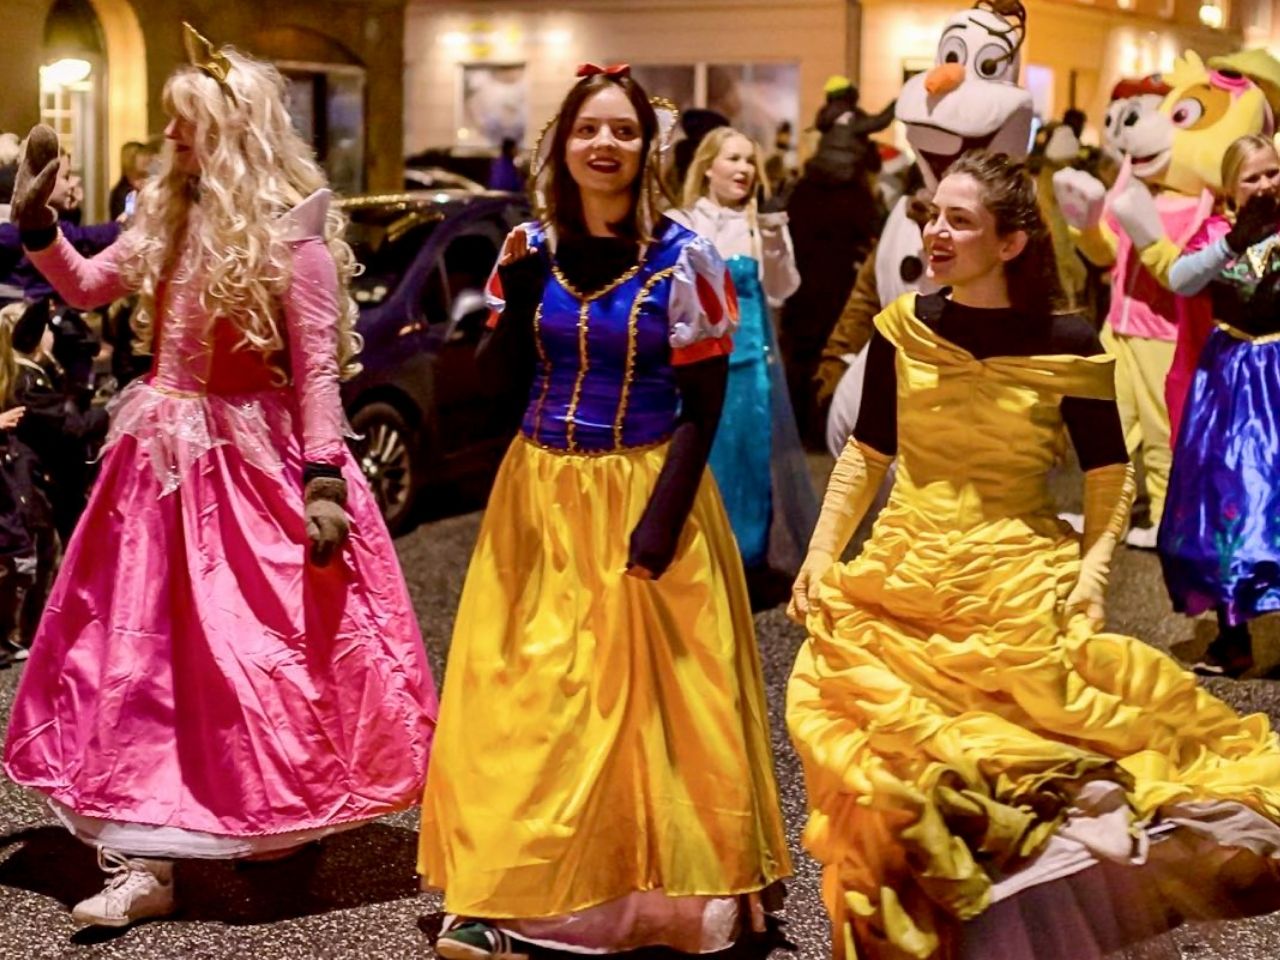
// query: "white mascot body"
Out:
[969,100]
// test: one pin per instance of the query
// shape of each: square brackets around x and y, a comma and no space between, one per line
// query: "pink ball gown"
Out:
[197,686]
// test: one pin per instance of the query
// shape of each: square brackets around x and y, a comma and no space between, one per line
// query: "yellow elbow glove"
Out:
[854,481]
[1108,495]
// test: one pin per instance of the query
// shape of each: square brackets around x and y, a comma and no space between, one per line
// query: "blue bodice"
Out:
[749,342]
[605,379]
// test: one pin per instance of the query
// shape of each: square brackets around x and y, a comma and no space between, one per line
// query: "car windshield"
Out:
[386,238]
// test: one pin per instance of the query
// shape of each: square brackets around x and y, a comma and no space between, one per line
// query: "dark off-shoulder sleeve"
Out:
[1093,425]
[877,424]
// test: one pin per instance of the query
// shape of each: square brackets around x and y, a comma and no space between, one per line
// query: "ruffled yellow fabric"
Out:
[945,707]
[599,734]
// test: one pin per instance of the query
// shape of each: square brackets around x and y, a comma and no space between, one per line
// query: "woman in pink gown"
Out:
[229,665]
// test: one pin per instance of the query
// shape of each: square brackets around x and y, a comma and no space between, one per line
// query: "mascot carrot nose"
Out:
[944,78]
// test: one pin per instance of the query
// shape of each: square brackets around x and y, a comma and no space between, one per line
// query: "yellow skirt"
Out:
[599,735]
[948,715]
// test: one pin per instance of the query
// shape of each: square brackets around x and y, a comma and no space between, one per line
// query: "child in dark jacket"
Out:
[28,545]
[61,426]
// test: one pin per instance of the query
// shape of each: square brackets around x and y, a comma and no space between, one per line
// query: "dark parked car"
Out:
[438,178]
[423,416]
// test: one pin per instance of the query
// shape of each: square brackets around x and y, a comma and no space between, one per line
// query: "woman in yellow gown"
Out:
[988,773]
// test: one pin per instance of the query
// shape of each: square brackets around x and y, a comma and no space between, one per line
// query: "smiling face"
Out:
[1135,128]
[969,99]
[732,175]
[1259,174]
[604,146]
[182,133]
[60,198]
[1207,110]
[962,246]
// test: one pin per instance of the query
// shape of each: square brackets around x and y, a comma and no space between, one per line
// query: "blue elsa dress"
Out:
[757,458]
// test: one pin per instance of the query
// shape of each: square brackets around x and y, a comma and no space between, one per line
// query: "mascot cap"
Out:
[1152,85]
[835,84]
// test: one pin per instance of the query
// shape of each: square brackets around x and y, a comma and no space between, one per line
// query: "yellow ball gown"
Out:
[963,739]
[601,777]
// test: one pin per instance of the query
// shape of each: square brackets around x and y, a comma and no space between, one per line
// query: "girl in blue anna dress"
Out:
[757,458]
[601,779]
[1220,537]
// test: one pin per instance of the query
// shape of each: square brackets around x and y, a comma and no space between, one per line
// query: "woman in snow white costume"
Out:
[228,665]
[602,778]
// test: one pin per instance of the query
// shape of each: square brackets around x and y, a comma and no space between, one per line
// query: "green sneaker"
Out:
[478,941]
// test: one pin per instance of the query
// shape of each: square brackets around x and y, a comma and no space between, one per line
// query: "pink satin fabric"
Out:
[193,669]
[1141,307]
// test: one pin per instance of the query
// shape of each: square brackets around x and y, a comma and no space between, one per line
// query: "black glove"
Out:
[1256,221]
[506,353]
[656,535]
[774,203]
[523,281]
[33,185]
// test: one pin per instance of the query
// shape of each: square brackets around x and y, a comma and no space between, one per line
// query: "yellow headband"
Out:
[205,58]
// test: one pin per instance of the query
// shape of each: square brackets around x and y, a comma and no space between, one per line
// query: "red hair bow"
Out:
[615,70]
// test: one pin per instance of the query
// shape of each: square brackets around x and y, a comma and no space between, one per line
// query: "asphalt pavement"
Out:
[356,896]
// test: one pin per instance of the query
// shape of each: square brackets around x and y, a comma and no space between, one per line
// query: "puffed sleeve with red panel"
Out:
[514,290]
[703,305]
[311,324]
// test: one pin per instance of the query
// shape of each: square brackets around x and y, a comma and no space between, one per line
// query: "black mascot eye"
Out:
[991,60]
[911,269]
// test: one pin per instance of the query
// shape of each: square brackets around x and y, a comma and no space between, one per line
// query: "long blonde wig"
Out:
[695,181]
[226,227]
[9,317]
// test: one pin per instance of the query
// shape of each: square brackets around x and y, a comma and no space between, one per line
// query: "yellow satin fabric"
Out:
[944,707]
[598,734]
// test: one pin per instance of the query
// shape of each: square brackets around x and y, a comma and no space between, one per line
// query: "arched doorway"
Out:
[126,101]
[326,98]
[93,87]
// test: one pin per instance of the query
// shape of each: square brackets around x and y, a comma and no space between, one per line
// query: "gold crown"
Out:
[204,57]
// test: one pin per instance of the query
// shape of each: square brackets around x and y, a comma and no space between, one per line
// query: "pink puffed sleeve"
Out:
[1213,229]
[84,283]
[311,318]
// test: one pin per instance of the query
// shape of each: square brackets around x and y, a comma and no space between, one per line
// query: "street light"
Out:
[66,72]
[1211,14]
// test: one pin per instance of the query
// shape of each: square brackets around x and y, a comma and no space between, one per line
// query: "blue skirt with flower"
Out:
[1220,537]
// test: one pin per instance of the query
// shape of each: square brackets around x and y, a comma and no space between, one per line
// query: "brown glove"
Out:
[327,524]
[33,185]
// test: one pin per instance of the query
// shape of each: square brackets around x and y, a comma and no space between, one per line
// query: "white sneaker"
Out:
[1142,538]
[137,889]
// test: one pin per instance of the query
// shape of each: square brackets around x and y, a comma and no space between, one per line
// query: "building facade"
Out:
[477,72]
[95,69]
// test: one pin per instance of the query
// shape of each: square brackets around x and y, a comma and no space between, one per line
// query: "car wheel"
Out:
[383,450]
